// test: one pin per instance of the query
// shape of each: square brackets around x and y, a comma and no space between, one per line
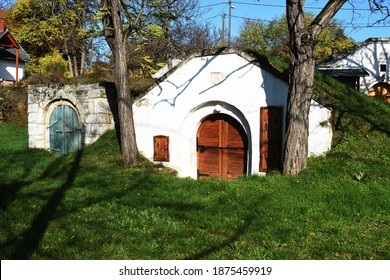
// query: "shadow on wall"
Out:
[112,100]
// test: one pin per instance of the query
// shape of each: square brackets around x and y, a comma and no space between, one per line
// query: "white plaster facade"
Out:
[371,56]
[228,82]
[8,70]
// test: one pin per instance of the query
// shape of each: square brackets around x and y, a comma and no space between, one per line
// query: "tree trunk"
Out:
[82,61]
[70,65]
[302,66]
[126,122]
[300,93]
[76,69]
[301,78]
[117,42]
[92,50]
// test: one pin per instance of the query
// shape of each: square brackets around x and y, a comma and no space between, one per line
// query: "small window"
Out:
[216,77]
[383,68]
[161,148]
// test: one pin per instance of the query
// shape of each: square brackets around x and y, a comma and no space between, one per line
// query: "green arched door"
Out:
[64,130]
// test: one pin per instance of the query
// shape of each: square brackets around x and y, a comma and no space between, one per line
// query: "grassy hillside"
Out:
[86,205]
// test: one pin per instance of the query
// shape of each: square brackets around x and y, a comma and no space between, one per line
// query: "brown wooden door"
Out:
[221,148]
[381,91]
[271,125]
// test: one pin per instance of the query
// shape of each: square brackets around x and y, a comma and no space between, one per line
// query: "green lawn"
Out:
[86,205]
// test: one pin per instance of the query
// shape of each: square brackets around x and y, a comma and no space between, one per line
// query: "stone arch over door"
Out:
[63,131]
[381,91]
[222,147]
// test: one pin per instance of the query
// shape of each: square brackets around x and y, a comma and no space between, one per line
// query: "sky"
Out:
[357,24]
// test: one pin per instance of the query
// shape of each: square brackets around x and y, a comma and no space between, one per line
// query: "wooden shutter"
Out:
[271,124]
[161,148]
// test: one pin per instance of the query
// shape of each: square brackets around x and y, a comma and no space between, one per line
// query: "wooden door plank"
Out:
[221,146]
[271,124]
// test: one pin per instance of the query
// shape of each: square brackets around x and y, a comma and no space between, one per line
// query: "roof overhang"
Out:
[349,72]
[8,46]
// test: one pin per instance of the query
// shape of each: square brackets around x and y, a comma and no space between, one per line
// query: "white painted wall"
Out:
[8,70]
[320,129]
[201,86]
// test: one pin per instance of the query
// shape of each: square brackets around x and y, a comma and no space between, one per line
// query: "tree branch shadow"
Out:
[228,241]
[33,235]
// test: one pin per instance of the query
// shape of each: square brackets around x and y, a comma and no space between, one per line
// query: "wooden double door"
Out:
[222,148]
[381,91]
[64,130]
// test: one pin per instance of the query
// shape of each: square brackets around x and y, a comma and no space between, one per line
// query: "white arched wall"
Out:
[189,127]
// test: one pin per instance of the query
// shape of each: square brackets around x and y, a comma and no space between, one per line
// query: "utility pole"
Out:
[223,29]
[230,23]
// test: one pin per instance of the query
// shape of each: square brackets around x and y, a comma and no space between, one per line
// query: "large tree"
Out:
[76,22]
[124,19]
[173,32]
[119,22]
[272,37]
[43,26]
[303,39]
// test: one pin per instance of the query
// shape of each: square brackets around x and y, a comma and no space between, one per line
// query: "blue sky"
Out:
[356,23]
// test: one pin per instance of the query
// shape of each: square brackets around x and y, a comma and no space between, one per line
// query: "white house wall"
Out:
[320,129]
[227,84]
[195,90]
[8,70]
[370,57]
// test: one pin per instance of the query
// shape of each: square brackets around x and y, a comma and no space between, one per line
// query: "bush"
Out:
[50,68]
[13,105]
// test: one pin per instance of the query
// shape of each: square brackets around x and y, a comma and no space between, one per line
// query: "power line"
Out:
[218,14]
[279,6]
[341,24]
[212,5]
[306,7]
[360,25]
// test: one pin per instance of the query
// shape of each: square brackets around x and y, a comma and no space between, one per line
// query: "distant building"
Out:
[366,68]
[12,56]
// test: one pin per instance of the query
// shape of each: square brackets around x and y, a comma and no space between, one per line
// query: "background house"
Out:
[221,114]
[12,56]
[366,68]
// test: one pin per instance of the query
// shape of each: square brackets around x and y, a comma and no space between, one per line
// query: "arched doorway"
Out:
[64,130]
[381,91]
[222,147]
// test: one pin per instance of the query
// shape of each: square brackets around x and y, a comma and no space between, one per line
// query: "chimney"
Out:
[2,27]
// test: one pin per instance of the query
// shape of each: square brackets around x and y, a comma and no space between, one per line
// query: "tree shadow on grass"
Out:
[32,236]
[8,192]
[14,161]
[228,241]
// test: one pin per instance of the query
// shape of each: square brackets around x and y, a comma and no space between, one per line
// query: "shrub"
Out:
[54,64]
[50,68]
